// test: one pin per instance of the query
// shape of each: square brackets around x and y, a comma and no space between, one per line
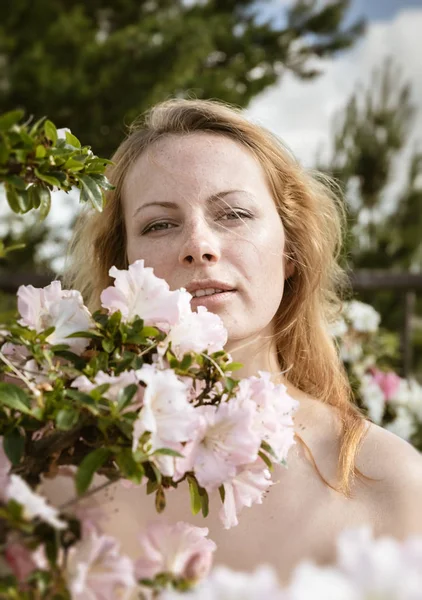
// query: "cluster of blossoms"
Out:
[365,569]
[139,391]
[390,400]
[92,567]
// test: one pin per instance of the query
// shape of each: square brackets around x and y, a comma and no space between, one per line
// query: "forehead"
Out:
[198,162]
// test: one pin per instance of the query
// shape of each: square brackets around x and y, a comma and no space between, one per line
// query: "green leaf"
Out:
[151,486]
[4,153]
[67,418]
[102,181]
[222,493]
[12,198]
[72,139]
[16,181]
[204,502]
[14,446]
[89,465]
[230,383]
[85,334]
[40,151]
[167,452]
[265,446]
[266,460]
[234,366]
[92,192]
[50,131]
[125,396]
[47,178]
[108,345]
[186,362]
[24,201]
[45,201]
[160,500]
[14,397]
[195,498]
[10,118]
[128,466]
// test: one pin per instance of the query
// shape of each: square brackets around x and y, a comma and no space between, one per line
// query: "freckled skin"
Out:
[203,240]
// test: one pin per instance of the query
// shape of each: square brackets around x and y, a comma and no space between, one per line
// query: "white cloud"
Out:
[301,113]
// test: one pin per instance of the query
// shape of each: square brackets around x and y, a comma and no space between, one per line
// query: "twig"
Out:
[88,494]
[20,375]
[214,363]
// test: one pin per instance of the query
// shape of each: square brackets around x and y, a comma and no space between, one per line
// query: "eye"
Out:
[159,226]
[236,214]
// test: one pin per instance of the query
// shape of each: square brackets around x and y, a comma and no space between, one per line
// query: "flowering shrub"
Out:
[365,569]
[141,390]
[367,352]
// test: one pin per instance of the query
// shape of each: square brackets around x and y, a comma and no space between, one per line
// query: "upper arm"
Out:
[398,492]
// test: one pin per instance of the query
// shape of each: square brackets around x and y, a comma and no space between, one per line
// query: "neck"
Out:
[260,354]
[256,354]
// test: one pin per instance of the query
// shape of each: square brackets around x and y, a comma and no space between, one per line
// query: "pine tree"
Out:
[369,138]
[95,66]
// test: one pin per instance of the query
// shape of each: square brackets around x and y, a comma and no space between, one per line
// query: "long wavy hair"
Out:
[314,220]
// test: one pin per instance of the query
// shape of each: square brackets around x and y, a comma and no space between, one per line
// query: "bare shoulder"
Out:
[396,493]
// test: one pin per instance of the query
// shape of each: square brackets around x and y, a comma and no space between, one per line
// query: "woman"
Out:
[214,203]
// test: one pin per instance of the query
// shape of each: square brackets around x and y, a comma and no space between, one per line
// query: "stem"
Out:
[20,375]
[214,363]
[87,494]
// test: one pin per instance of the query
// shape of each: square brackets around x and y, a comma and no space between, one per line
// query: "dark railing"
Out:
[404,284]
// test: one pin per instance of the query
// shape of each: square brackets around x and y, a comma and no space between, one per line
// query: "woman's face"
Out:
[198,210]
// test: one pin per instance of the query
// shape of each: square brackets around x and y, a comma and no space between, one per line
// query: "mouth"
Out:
[213,299]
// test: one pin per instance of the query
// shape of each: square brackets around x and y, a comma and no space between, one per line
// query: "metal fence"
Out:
[406,285]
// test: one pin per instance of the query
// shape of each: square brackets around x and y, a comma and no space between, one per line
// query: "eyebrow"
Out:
[209,200]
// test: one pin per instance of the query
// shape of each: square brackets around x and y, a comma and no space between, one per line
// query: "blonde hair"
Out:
[313,217]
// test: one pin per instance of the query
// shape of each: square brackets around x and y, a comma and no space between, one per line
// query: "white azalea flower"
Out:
[34,504]
[166,414]
[404,425]
[95,569]
[226,584]
[196,331]
[137,292]
[373,398]
[363,317]
[41,308]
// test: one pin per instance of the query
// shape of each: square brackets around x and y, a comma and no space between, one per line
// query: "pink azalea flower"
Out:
[388,382]
[117,383]
[95,569]
[274,412]
[34,505]
[41,308]
[19,560]
[166,414]
[225,440]
[180,549]
[247,487]
[196,331]
[138,292]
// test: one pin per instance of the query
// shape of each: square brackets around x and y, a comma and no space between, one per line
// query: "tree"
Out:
[94,66]
[369,138]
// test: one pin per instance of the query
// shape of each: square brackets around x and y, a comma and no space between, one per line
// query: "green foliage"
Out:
[34,160]
[369,137]
[95,66]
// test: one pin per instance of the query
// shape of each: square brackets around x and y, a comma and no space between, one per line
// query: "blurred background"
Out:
[340,82]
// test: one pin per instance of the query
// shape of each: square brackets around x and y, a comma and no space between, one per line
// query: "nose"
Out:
[199,247]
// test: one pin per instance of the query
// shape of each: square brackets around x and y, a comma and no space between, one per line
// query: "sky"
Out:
[301,113]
